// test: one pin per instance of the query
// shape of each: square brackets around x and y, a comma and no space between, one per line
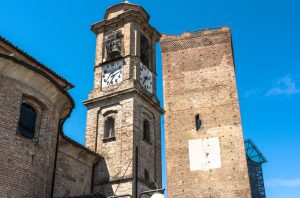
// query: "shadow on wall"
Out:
[101,179]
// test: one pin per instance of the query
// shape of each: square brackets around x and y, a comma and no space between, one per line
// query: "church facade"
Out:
[122,152]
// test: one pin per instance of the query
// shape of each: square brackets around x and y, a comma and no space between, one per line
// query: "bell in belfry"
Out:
[114,48]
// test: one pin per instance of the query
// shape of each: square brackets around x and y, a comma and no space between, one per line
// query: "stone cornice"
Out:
[152,100]
[129,16]
[143,11]
[126,179]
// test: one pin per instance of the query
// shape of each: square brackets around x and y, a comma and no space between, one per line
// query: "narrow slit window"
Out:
[27,121]
[109,127]
[146,175]
[146,131]
[198,122]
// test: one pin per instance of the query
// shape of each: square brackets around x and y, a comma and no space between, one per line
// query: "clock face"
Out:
[146,78]
[112,73]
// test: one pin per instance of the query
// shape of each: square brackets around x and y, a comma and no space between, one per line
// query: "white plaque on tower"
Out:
[204,154]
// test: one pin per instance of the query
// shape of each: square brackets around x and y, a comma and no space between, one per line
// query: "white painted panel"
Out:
[204,154]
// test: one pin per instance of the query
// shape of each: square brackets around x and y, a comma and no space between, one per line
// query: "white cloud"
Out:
[292,183]
[284,86]
[252,92]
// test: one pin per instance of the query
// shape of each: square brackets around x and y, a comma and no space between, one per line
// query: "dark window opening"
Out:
[27,121]
[109,130]
[113,45]
[146,131]
[198,122]
[114,48]
[145,53]
[146,175]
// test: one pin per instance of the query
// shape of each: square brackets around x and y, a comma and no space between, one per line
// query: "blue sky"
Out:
[266,40]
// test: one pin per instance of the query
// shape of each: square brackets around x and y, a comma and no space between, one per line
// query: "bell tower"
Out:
[123,112]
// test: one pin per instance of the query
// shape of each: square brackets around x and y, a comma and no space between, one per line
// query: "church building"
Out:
[121,156]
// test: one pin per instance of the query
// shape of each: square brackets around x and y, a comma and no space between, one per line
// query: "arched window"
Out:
[198,122]
[109,129]
[146,131]
[27,121]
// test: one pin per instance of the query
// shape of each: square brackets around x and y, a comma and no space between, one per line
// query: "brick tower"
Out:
[123,110]
[204,140]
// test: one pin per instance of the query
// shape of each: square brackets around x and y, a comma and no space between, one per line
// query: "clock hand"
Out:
[114,74]
[111,74]
[146,78]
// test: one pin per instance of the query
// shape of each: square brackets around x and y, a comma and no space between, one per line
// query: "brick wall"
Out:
[199,78]
[74,170]
[26,165]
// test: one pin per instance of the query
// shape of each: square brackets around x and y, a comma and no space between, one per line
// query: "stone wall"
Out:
[149,152]
[127,102]
[118,150]
[199,78]
[115,174]
[74,170]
